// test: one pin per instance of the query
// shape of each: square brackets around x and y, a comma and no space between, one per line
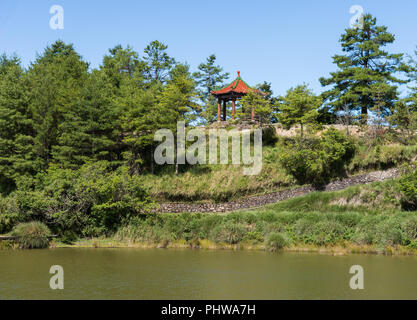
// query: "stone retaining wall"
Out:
[262,200]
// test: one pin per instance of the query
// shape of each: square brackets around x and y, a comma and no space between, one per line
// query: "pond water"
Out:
[200,274]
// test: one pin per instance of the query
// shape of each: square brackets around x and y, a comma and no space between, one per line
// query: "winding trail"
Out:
[270,198]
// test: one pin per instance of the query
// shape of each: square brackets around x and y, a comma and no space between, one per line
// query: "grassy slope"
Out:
[226,182]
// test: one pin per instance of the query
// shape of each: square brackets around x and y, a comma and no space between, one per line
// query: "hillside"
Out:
[221,183]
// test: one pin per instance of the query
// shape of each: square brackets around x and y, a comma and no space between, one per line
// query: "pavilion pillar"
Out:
[224,109]
[218,110]
[233,108]
[253,114]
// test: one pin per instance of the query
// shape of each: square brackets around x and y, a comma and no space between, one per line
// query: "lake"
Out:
[200,274]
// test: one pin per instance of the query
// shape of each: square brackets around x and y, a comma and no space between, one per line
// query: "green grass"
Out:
[217,182]
[221,183]
[314,220]
[32,235]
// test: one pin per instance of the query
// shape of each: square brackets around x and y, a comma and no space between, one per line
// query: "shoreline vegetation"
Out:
[364,219]
[336,250]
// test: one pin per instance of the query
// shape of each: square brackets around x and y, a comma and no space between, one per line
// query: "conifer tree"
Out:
[16,127]
[209,78]
[299,106]
[364,66]
[55,80]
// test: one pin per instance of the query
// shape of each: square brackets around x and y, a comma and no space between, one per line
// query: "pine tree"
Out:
[158,62]
[56,80]
[90,131]
[299,106]
[122,63]
[364,66]
[16,127]
[209,78]
[266,89]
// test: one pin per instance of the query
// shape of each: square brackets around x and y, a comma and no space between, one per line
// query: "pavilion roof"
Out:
[237,86]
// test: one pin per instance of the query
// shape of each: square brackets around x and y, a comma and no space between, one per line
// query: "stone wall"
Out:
[262,200]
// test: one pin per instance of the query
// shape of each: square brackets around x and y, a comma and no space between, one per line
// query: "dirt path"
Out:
[262,200]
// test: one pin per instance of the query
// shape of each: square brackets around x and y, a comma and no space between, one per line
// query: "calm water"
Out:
[188,274]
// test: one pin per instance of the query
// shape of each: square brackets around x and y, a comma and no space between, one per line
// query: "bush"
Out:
[276,241]
[91,201]
[269,136]
[407,186]
[9,216]
[317,160]
[32,235]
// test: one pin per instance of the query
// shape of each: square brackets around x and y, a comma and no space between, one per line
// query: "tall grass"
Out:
[310,220]
[32,235]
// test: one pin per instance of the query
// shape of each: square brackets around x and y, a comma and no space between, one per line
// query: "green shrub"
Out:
[276,241]
[407,186]
[316,160]
[269,136]
[32,235]
[9,215]
[91,201]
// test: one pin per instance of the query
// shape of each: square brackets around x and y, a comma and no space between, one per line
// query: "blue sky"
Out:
[282,42]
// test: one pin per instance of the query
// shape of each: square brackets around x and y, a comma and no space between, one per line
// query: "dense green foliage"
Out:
[317,160]
[93,200]
[32,235]
[299,106]
[408,188]
[209,78]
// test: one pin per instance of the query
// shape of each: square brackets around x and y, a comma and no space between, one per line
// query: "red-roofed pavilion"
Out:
[236,90]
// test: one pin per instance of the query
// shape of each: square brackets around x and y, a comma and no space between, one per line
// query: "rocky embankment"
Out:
[265,199]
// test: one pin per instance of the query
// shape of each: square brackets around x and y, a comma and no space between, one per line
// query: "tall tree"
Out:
[209,77]
[299,106]
[91,129]
[158,62]
[266,88]
[363,68]
[122,63]
[16,127]
[56,80]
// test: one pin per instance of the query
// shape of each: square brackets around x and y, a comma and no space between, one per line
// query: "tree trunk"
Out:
[364,115]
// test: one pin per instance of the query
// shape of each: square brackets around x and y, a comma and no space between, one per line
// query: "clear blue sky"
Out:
[282,42]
